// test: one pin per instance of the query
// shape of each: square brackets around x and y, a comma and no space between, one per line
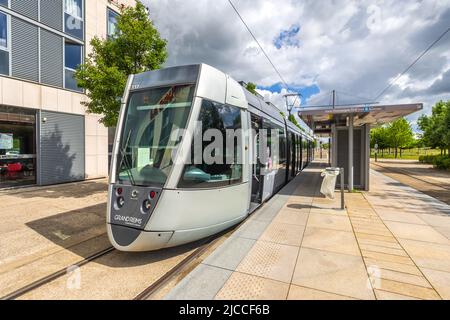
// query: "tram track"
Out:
[209,242]
[147,292]
[55,275]
[401,171]
[432,189]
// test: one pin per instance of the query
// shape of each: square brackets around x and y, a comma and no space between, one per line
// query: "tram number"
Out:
[246,309]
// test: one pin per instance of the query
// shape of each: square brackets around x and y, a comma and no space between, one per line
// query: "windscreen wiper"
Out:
[125,161]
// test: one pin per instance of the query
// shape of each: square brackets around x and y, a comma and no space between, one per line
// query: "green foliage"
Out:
[436,127]
[251,87]
[379,136]
[292,119]
[397,135]
[135,47]
[438,161]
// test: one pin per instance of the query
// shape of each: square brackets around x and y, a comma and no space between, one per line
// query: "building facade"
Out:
[46,136]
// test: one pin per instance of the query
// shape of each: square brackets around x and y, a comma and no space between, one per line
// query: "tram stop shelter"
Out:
[348,128]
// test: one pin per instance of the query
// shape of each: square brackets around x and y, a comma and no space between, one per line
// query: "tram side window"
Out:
[282,148]
[220,162]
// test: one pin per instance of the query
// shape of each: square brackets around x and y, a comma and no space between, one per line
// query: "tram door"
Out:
[257,179]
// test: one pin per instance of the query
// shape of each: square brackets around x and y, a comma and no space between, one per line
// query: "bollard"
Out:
[342,188]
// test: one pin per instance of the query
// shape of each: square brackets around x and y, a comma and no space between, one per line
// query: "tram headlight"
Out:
[120,202]
[146,205]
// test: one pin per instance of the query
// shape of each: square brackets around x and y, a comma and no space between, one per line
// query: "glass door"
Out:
[17,147]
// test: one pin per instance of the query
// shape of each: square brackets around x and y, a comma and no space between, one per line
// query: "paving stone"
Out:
[251,229]
[445,231]
[270,260]
[436,220]
[384,244]
[332,272]
[248,287]
[405,289]
[386,257]
[416,232]
[428,255]
[382,249]
[203,283]
[400,216]
[389,265]
[230,253]
[283,233]
[440,280]
[291,217]
[389,238]
[329,222]
[385,295]
[417,280]
[331,240]
[303,293]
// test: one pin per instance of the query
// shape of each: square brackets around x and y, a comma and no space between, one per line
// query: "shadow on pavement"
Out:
[68,190]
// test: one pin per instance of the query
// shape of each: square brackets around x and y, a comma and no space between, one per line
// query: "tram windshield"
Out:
[153,126]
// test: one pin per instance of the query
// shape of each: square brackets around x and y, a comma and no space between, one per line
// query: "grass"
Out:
[407,154]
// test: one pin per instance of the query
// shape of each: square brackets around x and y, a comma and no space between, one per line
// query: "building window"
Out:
[4,3]
[227,171]
[4,49]
[17,147]
[112,23]
[73,18]
[72,59]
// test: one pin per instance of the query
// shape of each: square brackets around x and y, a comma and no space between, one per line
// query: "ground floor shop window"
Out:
[17,147]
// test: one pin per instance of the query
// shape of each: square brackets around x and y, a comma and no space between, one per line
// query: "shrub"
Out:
[442,162]
[438,161]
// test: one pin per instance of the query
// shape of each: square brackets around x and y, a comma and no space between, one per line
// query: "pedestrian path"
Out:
[302,246]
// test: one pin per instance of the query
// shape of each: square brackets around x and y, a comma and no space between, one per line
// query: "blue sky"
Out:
[306,91]
[357,46]
[287,38]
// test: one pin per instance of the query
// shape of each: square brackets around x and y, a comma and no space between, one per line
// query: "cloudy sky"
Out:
[354,47]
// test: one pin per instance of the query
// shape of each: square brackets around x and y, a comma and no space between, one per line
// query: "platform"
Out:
[389,243]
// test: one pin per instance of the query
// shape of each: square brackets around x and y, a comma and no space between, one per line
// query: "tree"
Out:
[135,47]
[436,127]
[292,119]
[251,87]
[399,134]
[379,136]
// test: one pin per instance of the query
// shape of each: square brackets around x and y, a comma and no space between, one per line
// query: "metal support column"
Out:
[350,153]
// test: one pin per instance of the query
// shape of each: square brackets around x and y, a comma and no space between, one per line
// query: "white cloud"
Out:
[351,46]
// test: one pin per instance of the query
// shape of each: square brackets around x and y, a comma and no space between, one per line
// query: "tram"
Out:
[163,190]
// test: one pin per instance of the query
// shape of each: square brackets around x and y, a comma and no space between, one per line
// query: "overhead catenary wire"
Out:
[259,45]
[412,64]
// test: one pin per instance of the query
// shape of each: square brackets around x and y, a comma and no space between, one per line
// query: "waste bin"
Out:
[329,181]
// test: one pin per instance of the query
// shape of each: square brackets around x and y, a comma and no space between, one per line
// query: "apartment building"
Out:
[46,136]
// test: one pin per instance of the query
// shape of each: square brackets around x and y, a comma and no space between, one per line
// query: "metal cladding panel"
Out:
[342,154]
[212,84]
[52,64]
[62,149]
[51,13]
[235,94]
[28,8]
[167,76]
[252,99]
[24,50]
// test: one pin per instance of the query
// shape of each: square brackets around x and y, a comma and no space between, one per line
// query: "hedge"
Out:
[440,162]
